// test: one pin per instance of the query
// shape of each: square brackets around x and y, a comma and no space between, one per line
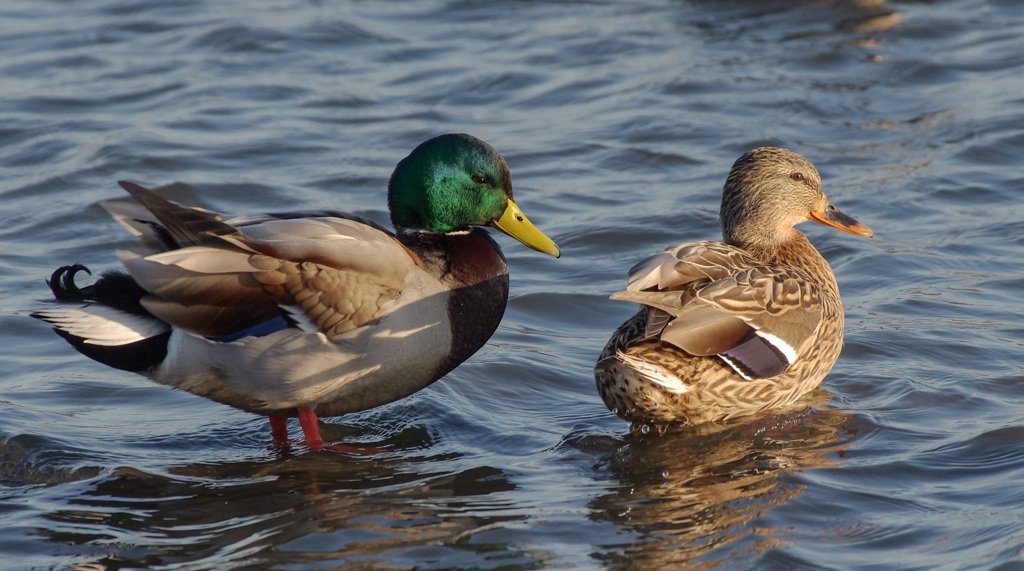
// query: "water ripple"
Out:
[619,122]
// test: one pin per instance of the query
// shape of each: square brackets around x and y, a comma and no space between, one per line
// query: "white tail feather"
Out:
[101,325]
[653,373]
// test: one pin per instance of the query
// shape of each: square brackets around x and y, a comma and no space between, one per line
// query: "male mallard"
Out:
[306,313]
[727,329]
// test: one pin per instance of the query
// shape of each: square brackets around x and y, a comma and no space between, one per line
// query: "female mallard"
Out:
[307,313]
[730,329]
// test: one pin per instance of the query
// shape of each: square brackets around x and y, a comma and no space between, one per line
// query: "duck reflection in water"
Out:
[684,492]
[321,510]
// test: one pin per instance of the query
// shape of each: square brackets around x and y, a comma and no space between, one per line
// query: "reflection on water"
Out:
[312,508]
[684,494]
[677,496]
[619,121]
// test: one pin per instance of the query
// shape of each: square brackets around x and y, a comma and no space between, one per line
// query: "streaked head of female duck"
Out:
[455,181]
[771,190]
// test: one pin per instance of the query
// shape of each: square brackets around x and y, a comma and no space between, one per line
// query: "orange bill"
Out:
[831,216]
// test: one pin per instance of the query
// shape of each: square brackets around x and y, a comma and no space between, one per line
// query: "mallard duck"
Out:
[728,329]
[307,313]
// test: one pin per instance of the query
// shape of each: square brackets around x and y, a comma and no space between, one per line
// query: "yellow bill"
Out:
[514,223]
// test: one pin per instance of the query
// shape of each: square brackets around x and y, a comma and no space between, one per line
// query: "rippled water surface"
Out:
[619,122]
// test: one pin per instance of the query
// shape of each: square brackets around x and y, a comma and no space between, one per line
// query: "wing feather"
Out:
[720,300]
[340,272]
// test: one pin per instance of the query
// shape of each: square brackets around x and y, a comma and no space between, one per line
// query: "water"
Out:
[619,122]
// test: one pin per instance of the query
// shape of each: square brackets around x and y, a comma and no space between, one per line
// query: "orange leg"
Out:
[307,419]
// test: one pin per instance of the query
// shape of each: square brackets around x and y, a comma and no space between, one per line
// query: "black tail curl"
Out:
[117,290]
[62,283]
[114,289]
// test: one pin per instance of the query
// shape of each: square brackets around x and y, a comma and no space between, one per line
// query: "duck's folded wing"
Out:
[680,265]
[757,319]
[174,225]
[138,220]
[326,274]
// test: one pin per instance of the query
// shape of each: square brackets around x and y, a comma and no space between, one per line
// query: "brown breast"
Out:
[473,269]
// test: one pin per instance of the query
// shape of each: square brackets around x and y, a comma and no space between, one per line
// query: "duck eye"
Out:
[480,179]
[797,176]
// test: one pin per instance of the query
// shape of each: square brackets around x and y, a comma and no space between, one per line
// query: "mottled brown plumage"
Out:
[728,329]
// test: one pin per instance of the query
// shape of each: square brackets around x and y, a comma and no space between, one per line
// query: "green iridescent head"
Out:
[455,181]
